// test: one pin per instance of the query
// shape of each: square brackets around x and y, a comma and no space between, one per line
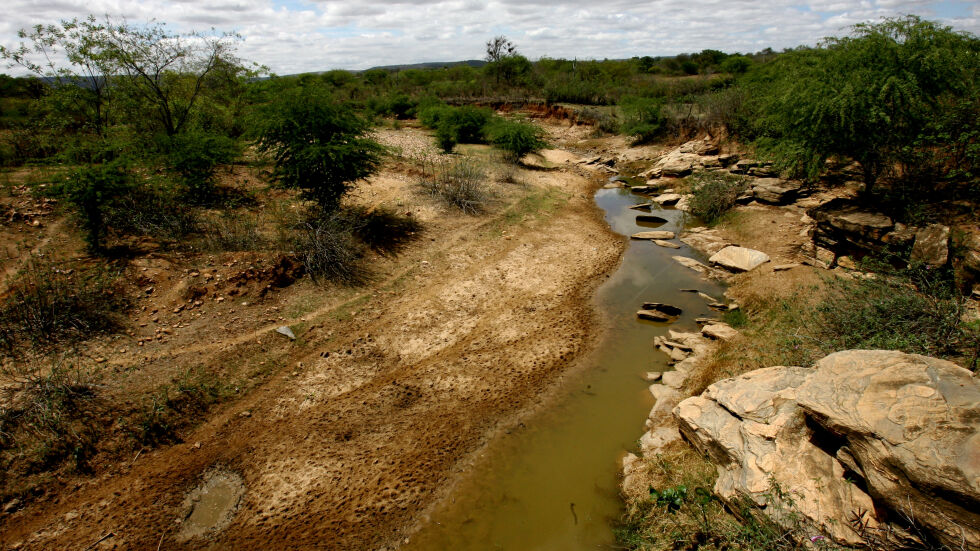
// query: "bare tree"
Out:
[499,47]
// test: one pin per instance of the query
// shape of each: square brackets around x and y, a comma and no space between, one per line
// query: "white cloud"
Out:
[309,35]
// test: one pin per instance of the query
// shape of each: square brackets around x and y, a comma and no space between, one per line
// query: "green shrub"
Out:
[399,106]
[466,124]
[643,118]
[432,113]
[469,123]
[90,190]
[870,96]
[517,138]
[714,194]
[446,137]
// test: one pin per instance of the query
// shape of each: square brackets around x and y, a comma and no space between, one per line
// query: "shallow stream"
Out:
[553,483]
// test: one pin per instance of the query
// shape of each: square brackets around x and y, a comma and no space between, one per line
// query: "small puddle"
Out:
[554,485]
[211,506]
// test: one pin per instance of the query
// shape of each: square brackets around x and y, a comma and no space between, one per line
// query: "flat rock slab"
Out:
[644,189]
[654,315]
[642,206]
[692,264]
[286,332]
[739,259]
[667,198]
[668,244]
[719,331]
[705,241]
[656,234]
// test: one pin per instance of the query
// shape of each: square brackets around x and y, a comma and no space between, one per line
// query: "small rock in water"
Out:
[653,315]
[654,376]
[655,234]
[667,244]
[651,219]
[285,330]
[661,307]
[642,206]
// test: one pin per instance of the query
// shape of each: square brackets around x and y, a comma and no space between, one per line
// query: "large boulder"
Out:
[931,245]
[863,439]
[909,427]
[775,191]
[971,252]
[840,222]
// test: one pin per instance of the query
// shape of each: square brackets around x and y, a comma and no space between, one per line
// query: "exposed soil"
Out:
[361,423]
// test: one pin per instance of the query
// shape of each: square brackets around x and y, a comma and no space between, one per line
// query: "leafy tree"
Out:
[83,78]
[319,145]
[736,64]
[157,78]
[643,118]
[166,74]
[870,96]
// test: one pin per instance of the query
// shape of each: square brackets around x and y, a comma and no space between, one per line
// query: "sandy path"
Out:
[349,453]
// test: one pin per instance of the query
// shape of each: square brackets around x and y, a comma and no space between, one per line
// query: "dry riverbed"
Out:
[374,409]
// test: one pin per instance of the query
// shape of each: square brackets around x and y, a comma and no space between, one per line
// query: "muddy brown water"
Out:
[552,484]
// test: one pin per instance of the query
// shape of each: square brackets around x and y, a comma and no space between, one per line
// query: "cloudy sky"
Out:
[291,36]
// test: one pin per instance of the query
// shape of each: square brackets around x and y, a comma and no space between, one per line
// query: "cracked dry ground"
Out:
[349,451]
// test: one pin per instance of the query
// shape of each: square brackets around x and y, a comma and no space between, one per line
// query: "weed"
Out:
[152,209]
[174,406]
[330,251]
[231,231]
[460,183]
[50,302]
[915,310]
[681,512]
[535,203]
[714,194]
[48,417]
[735,318]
